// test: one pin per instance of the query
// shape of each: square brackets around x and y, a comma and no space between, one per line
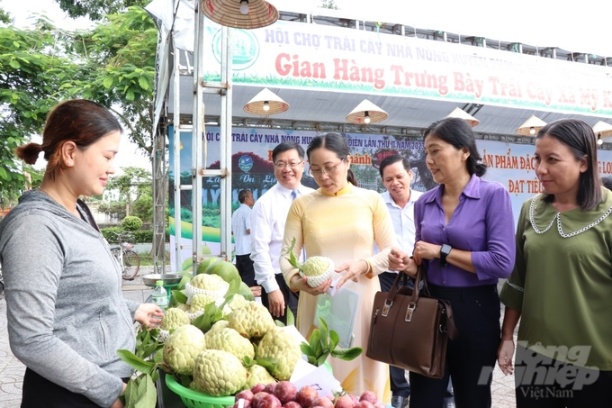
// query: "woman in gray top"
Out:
[66,314]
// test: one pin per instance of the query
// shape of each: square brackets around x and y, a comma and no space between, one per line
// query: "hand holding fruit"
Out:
[149,315]
[301,283]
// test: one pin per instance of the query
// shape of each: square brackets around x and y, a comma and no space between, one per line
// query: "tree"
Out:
[113,64]
[119,70]
[97,9]
[33,68]
[131,185]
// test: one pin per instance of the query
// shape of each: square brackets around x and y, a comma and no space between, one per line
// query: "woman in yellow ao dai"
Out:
[342,222]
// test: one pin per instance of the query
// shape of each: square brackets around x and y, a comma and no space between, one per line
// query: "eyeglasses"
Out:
[329,170]
[282,165]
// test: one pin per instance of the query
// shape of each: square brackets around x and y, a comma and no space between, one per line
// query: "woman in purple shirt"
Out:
[465,240]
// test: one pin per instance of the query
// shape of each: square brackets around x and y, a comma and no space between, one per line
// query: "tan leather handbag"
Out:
[409,329]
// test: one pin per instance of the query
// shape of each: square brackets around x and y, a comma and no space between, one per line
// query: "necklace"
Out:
[559,224]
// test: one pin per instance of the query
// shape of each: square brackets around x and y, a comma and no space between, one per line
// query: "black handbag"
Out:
[409,329]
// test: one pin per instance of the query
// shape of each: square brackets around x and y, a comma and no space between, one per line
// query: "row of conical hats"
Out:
[267,102]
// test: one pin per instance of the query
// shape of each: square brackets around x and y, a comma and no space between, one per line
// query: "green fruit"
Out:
[224,269]
[206,263]
[218,373]
[280,346]
[206,250]
[182,348]
[245,291]
[187,264]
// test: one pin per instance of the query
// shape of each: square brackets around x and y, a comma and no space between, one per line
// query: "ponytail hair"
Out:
[352,178]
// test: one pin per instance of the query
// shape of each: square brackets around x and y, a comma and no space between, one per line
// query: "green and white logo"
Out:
[245,48]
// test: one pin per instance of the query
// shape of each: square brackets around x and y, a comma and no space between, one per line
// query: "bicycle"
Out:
[125,255]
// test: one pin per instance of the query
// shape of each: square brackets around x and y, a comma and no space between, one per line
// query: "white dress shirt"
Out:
[403,220]
[241,223]
[267,228]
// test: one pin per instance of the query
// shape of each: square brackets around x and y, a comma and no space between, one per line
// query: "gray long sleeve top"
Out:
[65,310]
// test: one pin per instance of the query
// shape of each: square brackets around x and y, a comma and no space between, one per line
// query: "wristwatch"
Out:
[444,251]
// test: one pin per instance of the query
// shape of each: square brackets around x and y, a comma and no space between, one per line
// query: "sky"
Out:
[578,26]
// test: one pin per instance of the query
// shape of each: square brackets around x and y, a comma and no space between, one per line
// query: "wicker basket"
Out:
[197,399]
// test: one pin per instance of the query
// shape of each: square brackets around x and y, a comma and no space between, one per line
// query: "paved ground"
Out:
[11,370]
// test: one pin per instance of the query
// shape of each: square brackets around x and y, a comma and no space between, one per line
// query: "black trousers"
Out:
[38,392]
[291,298]
[399,384]
[542,382]
[471,357]
[244,264]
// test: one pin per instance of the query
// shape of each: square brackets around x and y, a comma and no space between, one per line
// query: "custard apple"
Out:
[199,302]
[218,373]
[182,348]
[230,340]
[317,269]
[209,282]
[252,320]
[218,325]
[258,375]
[173,319]
[236,303]
[183,306]
[281,347]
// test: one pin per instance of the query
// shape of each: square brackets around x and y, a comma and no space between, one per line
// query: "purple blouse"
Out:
[482,223]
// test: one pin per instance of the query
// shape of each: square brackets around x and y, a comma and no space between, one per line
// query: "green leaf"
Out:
[306,349]
[143,82]
[158,357]
[267,363]
[293,260]
[247,362]
[335,339]
[138,364]
[107,82]
[347,354]
[179,297]
[146,342]
[141,392]
[212,314]
[290,317]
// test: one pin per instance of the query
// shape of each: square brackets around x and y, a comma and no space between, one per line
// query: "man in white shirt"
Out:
[399,198]
[268,226]
[241,228]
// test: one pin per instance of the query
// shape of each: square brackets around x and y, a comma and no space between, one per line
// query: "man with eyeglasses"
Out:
[268,226]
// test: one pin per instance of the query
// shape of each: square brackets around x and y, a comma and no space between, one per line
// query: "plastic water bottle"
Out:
[159,295]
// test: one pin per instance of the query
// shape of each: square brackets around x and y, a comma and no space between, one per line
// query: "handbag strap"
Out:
[400,280]
[420,277]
